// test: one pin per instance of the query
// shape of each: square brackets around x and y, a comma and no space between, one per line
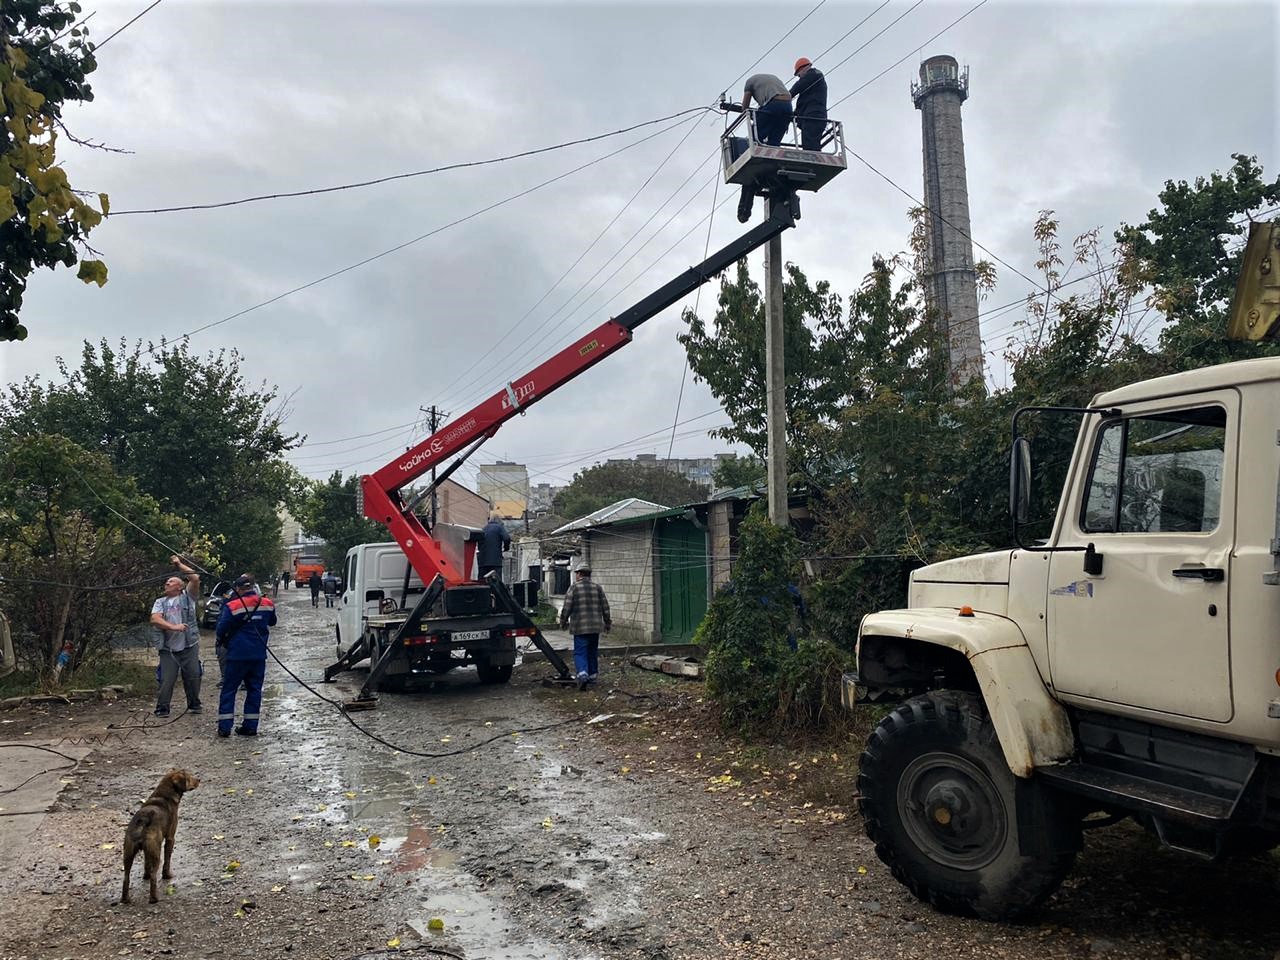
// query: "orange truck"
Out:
[305,565]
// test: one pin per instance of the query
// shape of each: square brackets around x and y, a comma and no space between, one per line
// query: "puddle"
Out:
[562,770]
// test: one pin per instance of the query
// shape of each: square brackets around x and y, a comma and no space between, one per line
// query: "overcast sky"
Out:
[1086,108]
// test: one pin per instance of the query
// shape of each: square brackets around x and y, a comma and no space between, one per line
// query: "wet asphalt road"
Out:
[570,841]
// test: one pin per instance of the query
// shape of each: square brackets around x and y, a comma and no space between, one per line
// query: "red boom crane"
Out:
[777,172]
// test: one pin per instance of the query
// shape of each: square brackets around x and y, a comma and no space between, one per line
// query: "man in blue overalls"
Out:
[244,626]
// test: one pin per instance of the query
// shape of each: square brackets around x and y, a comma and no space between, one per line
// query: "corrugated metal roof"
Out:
[623,509]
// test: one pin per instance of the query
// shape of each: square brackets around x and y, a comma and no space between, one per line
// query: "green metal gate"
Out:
[682,579]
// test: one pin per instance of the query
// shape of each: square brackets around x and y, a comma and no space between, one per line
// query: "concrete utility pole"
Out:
[953,284]
[775,384]
[433,424]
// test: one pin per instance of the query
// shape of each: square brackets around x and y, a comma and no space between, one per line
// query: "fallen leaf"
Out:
[435,923]
[862,870]
[626,769]
[197,883]
[393,942]
[238,913]
[297,817]
[348,843]
[321,808]
[107,846]
[431,781]
[233,865]
[357,876]
[350,794]
[229,790]
[328,843]
[547,824]
[249,792]
[170,890]
[276,888]
[217,836]
[374,840]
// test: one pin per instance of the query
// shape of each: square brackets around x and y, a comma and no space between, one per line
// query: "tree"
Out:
[733,472]
[328,509]
[729,356]
[607,483]
[1189,254]
[72,569]
[194,434]
[43,222]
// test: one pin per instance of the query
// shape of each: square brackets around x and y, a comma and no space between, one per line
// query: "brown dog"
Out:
[157,821]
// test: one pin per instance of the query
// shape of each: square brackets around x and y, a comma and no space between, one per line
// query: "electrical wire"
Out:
[316,191]
[407,243]
[875,37]
[896,63]
[99,46]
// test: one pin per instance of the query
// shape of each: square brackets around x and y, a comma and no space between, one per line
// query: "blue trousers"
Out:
[251,673]
[586,654]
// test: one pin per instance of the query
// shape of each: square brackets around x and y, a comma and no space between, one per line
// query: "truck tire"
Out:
[490,673]
[939,802]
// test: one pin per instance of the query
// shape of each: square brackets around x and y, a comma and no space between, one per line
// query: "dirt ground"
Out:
[645,836]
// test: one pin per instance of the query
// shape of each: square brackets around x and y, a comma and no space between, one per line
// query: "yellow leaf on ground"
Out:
[348,843]
[350,794]
[547,824]
[626,769]
[393,942]
[431,781]
[170,890]
[276,888]
[217,836]
[435,923]
[374,840]
[249,792]
[107,846]
[233,865]
[328,843]
[862,870]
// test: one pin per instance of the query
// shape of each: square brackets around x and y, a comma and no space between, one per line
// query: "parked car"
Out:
[213,604]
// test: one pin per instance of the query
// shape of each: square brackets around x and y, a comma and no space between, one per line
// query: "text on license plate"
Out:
[459,635]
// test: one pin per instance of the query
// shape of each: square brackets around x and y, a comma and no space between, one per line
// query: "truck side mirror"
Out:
[1020,479]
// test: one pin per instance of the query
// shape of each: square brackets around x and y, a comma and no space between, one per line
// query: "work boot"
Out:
[244,731]
[745,203]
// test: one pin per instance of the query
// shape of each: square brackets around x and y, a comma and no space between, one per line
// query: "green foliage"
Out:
[1189,254]
[328,510]
[62,534]
[43,222]
[607,483]
[193,434]
[755,677]
[901,471]
[733,472]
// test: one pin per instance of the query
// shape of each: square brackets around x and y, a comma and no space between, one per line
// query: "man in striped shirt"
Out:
[586,615]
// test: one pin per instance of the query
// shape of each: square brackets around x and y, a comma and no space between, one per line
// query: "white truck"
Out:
[1126,666]
[380,588]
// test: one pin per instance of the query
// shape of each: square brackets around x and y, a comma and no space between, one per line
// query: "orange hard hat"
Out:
[801,64]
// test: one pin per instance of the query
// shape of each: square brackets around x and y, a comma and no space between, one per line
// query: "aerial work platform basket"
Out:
[749,161]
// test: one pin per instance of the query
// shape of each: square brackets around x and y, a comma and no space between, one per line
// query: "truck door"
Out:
[350,623]
[1157,499]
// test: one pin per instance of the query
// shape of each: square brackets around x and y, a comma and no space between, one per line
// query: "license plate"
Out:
[460,635]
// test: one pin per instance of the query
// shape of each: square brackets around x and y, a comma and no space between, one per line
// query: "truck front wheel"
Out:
[941,805]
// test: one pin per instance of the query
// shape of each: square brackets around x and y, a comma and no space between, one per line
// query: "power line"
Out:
[590,246]
[776,45]
[99,46]
[898,19]
[406,176]
[852,29]
[896,63]
[417,239]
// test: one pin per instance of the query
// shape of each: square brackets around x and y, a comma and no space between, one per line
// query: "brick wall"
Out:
[622,562]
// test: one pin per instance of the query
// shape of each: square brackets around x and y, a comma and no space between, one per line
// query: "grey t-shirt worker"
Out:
[173,616]
[764,87]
